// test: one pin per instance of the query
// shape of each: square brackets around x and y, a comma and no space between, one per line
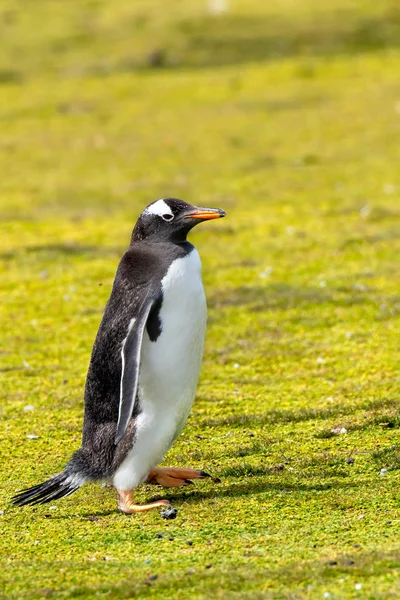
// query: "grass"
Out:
[288,117]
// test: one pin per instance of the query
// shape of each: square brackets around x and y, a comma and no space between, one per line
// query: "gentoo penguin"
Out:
[144,365]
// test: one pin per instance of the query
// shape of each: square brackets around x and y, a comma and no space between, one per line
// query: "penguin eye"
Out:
[167,217]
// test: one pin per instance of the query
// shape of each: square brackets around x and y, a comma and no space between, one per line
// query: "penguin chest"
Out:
[170,365]
[169,370]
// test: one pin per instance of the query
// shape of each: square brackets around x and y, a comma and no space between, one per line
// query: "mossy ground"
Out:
[287,115]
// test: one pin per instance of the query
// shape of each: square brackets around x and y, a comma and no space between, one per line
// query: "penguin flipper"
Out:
[130,355]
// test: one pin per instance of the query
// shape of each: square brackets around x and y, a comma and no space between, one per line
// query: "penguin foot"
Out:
[127,505]
[169,477]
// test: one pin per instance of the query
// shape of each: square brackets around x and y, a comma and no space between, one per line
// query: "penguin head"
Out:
[171,220]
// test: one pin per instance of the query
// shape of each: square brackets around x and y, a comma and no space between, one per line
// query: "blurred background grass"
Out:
[103,103]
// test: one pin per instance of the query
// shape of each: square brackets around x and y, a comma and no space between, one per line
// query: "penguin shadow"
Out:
[184,495]
[248,487]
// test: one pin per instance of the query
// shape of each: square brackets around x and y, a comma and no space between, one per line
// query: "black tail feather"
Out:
[52,489]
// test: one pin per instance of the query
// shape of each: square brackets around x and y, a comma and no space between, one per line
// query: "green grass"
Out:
[287,115]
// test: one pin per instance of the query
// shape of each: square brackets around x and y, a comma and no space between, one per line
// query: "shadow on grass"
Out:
[246,488]
[11,369]
[276,417]
[284,296]
[382,414]
[61,250]
[231,39]
[388,457]
[300,415]
[211,40]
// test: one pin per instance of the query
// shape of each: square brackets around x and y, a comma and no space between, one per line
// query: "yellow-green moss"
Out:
[286,115]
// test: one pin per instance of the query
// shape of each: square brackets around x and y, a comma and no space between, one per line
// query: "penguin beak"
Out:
[205,214]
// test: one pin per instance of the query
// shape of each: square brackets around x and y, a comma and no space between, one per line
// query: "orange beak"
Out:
[205,214]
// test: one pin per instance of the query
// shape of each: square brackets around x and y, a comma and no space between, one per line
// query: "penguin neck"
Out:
[181,246]
[176,237]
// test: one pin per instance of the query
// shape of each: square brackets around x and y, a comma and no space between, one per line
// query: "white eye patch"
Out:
[159,208]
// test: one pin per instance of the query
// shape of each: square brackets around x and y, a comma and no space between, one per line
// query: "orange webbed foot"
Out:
[171,477]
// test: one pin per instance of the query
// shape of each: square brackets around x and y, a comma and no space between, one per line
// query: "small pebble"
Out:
[358,586]
[1,512]
[383,472]
[365,211]
[32,437]
[279,467]
[153,577]
[266,273]
[169,513]
[339,430]
[29,407]
[156,59]
[350,460]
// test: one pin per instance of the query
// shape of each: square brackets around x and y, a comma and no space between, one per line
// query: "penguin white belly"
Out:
[169,370]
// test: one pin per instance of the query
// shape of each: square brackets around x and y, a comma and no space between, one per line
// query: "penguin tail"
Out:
[56,487]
